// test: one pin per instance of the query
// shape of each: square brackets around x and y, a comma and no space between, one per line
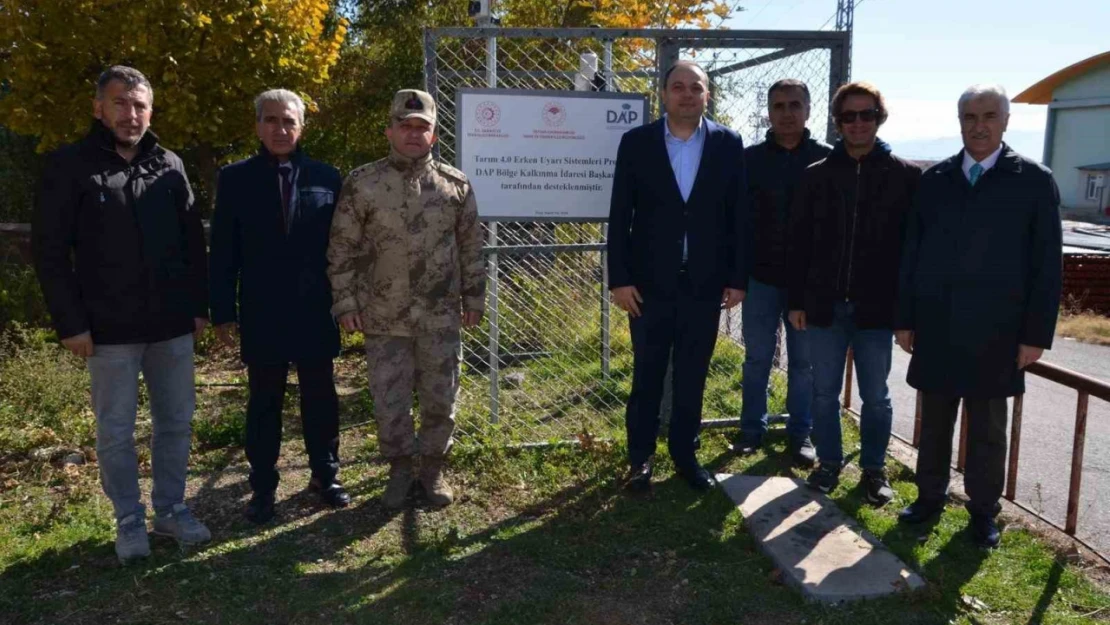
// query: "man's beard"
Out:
[122,142]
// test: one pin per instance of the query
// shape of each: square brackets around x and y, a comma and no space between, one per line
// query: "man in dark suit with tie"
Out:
[269,280]
[677,256]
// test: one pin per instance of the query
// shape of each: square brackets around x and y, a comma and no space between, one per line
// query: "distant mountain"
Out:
[1027,142]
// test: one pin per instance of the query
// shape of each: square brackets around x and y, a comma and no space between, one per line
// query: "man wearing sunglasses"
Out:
[979,295]
[846,242]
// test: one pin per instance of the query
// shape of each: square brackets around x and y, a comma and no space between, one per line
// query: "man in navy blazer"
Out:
[677,256]
[269,281]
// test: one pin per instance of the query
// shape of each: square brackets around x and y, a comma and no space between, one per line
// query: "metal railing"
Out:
[1085,386]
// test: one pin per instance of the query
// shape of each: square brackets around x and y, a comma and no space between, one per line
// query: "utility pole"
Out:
[845,21]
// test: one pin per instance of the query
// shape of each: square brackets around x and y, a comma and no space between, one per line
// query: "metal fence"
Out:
[550,362]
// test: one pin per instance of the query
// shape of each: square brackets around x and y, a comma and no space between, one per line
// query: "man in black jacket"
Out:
[846,225]
[269,282]
[119,251]
[774,168]
[979,296]
[677,256]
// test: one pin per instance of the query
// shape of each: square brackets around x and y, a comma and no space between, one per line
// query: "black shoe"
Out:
[260,509]
[332,495]
[639,478]
[984,531]
[920,511]
[802,453]
[825,478]
[698,478]
[746,444]
[876,487]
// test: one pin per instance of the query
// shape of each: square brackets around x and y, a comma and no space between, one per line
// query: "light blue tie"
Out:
[975,172]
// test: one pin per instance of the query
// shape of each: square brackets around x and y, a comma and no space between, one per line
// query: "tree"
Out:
[206,60]
[384,53]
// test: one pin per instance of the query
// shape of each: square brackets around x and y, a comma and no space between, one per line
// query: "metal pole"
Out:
[1077,462]
[917,421]
[961,457]
[849,361]
[606,351]
[492,265]
[1015,448]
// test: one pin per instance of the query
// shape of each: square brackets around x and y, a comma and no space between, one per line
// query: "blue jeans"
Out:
[872,349]
[761,311]
[167,368]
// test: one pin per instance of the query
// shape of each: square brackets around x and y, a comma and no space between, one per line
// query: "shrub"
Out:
[44,393]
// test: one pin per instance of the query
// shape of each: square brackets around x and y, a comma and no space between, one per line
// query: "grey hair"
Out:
[974,92]
[281,96]
[129,76]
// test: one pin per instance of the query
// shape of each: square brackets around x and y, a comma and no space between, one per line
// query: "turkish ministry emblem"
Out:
[487,114]
[554,114]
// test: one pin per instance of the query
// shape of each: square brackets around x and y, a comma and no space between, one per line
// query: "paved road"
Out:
[1048,426]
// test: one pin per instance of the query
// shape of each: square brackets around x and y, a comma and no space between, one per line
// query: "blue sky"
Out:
[923,53]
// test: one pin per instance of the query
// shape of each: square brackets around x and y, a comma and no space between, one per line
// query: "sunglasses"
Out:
[866,115]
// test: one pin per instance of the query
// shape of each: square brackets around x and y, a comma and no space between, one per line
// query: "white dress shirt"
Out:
[986,163]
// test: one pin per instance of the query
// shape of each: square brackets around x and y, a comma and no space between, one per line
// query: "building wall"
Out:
[1081,135]
[1082,138]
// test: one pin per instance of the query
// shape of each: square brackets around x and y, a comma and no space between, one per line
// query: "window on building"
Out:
[1094,189]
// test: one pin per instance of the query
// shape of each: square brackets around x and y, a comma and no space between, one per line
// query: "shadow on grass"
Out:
[582,551]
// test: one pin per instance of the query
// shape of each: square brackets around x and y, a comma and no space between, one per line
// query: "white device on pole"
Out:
[534,155]
[587,70]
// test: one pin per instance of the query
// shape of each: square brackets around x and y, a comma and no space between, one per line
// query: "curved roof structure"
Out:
[1041,93]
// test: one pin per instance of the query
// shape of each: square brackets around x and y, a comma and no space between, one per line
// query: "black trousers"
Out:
[689,326]
[985,470]
[319,420]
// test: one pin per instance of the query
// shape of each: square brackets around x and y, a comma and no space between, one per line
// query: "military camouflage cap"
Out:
[408,103]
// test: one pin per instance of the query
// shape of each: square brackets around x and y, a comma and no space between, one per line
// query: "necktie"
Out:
[286,195]
[974,173]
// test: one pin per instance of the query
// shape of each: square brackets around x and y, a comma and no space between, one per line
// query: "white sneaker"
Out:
[182,526]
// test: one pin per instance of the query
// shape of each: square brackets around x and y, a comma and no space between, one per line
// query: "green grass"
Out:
[538,536]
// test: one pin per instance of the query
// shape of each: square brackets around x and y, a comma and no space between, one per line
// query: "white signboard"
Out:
[543,155]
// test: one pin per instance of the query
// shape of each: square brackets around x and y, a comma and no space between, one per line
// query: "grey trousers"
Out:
[167,368]
[985,472]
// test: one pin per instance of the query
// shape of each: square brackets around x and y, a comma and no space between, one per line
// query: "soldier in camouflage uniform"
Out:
[406,269]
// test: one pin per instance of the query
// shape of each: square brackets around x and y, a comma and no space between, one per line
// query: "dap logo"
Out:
[624,116]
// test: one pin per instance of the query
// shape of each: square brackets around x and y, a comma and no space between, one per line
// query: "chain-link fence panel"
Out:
[552,360]
[739,79]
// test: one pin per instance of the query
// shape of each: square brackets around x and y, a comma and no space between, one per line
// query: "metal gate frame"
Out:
[669,46]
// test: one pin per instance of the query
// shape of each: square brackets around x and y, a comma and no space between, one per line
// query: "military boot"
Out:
[436,489]
[400,482]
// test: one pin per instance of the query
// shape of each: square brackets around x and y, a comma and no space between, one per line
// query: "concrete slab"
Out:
[818,548]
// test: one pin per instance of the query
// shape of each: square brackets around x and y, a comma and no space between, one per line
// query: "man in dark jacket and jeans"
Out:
[846,226]
[979,297]
[774,168]
[270,282]
[119,251]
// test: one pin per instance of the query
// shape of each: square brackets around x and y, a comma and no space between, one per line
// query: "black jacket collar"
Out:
[100,136]
[296,157]
[807,139]
[1008,160]
[880,152]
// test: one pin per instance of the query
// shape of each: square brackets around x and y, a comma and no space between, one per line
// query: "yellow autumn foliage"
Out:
[206,59]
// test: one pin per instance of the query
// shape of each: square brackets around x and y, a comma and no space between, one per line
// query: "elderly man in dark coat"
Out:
[269,282]
[978,299]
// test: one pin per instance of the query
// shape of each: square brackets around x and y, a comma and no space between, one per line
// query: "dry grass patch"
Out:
[1087,327]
